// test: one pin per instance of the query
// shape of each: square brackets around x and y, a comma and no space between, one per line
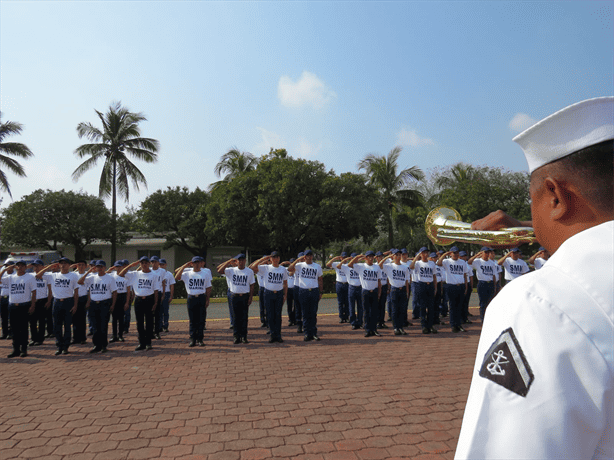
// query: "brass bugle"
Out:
[444,227]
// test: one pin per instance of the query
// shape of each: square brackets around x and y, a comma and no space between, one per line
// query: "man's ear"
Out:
[559,199]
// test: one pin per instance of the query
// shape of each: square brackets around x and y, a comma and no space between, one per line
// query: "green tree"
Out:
[233,163]
[8,149]
[118,141]
[383,173]
[178,215]
[45,219]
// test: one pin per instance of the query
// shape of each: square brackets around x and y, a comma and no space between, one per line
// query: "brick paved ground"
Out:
[346,397]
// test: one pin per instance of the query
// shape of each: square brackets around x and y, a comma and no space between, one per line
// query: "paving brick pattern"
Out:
[346,397]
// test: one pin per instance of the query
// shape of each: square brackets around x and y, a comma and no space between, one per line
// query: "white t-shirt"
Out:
[351,275]
[290,280]
[454,271]
[42,292]
[424,271]
[100,287]
[82,288]
[369,275]
[340,278]
[398,275]
[170,280]
[514,268]
[62,286]
[259,279]
[120,282]
[161,274]
[438,273]
[21,287]
[143,284]
[309,274]
[240,281]
[5,284]
[197,282]
[539,262]
[273,278]
[484,269]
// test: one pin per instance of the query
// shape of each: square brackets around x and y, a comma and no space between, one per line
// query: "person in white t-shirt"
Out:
[513,264]
[426,288]
[4,302]
[22,300]
[310,291]
[102,292]
[455,271]
[198,286]
[146,290]
[65,293]
[241,281]
[168,287]
[290,304]
[539,258]
[43,303]
[161,273]
[370,280]
[354,292]
[123,293]
[275,280]
[485,271]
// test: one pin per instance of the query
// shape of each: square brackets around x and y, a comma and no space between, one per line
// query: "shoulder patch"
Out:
[506,365]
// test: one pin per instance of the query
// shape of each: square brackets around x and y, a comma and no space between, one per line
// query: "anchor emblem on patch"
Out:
[505,364]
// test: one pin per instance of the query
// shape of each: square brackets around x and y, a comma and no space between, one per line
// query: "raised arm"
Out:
[181,269]
[355,259]
[329,264]
[123,272]
[40,274]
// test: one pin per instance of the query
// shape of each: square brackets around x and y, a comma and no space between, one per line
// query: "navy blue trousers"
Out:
[398,298]
[290,305]
[197,315]
[456,297]
[298,310]
[4,313]
[18,313]
[100,322]
[274,302]
[143,310]
[241,310]
[309,303]
[342,300]
[355,305]
[62,321]
[262,306]
[425,297]
[486,292]
[370,307]
[382,304]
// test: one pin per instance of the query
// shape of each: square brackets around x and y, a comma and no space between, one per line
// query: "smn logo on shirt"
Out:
[62,282]
[197,283]
[145,284]
[426,271]
[98,288]
[516,269]
[309,273]
[369,275]
[487,269]
[456,269]
[276,277]
[398,275]
[240,280]
[18,288]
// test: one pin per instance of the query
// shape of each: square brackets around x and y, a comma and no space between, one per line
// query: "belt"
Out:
[272,292]
[100,301]
[394,288]
[459,284]
[310,289]
[369,290]
[481,281]
[143,297]
[195,295]
[342,282]
[238,295]
[424,282]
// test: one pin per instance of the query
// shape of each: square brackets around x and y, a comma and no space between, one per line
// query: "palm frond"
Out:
[4,184]
[16,149]
[13,165]
[84,167]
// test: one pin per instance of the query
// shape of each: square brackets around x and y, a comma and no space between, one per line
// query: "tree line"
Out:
[272,202]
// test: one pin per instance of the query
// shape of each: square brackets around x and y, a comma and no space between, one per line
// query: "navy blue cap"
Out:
[379,253]
[515,250]
[200,259]
[354,254]
[453,249]
[154,259]
[118,263]
[440,252]
[292,260]
[369,253]
[37,262]
[144,259]
[240,256]
[433,254]
[63,259]
[308,252]
[344,254]
[162,261]
[404,251]
[485,248]
[462,253]
[125,261]
[9,263]
[93,262]
[101,263]
[422,249]
[300,254]
[275,254]
[392,249]
[541,248]
[20,262]
[395,251]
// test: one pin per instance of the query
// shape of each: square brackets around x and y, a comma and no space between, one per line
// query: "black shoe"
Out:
[200,343]
[383,326]
[280,340]
[157,336]
[299,329]
[316,338]
[341,321]
[426,330]
[460,328]
[263,325]
[268,332]
[244,340]
[113,340]
[237,340]
[231,327]
[376,334]
[455,329]
[165,329]
[104,350]
[3,337]
[120,339]
[58,352]
[65,352]
[14,354]
[148,347]
[23,354]
[403,332]
[37,344]
[409,324]
[369,334]
[467,321]
[31,342]
[95,350]
[192,343]
[140,348]
[272,340]
[308,338]
[398,332]
[355,327]
[433,330]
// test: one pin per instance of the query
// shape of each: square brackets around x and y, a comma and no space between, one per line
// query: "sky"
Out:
[448,81]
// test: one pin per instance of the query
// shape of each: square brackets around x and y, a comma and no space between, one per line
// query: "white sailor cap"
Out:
[567,131]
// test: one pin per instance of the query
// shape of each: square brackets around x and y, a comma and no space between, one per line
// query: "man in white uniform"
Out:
[370,275]
[275,280]
[4,302]
[485,271]
[198,286]
[539,258]
[543,385]
[513,264]
[22,300]
[241,282]
[310,292]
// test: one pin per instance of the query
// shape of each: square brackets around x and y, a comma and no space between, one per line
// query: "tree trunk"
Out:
[114,219]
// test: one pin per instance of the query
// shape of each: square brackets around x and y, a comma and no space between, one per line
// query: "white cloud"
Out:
[409,138]
[307,150]
[309,90]
[269,139]
[521,121]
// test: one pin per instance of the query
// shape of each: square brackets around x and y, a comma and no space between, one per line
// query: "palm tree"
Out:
[119,139]
[458,174]
[382,172]
[233,163]
[11,148]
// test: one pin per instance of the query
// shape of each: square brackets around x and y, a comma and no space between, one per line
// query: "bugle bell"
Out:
[443,227]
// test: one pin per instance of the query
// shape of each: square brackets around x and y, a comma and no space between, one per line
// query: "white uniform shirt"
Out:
[309,274]
[499,271]
[384,278]
[62,286]
[562,320]
[21,287]
[170,280]
[120,283]
[369,275]
[82,287]
[340,278]
[5,284]
[438,273]
[100,287]
[351,275]
[539,262]
[42,291]
[143,284]
[290,280]
[197,282]
[259,279]
[397,274]
[239,280]
[424,271]
[273,278]
[514,268]
[297,277]
[454,271]
[484,269]
[161,273]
